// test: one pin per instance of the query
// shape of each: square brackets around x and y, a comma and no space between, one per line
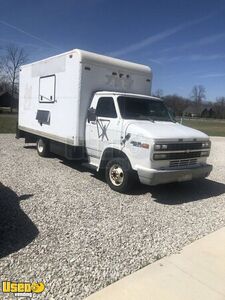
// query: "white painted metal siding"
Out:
[77,76]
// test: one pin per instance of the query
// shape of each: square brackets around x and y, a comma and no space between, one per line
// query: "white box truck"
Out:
[99,109]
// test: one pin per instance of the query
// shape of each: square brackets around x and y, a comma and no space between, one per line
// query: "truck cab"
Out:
[134,137]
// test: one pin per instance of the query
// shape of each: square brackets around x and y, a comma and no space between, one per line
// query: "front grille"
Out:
[183,163]
[183,146]
[180,150]
[181,155]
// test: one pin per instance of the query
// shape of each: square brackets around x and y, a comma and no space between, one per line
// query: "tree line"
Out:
[196,105]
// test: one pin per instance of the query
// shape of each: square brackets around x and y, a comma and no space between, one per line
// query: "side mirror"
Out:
[91,115]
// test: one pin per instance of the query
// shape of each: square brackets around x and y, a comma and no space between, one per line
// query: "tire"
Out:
[119,175]
[42,147]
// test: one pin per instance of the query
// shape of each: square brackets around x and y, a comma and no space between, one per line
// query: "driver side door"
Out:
[105,130]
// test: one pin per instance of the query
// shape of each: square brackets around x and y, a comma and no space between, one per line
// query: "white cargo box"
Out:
[55,93]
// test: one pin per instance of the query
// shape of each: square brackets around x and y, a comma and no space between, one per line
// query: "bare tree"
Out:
[176,103]
[198,94]
[219,107]
[10,65]
[4,85]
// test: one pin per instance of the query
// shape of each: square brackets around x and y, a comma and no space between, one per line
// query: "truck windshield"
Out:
[143,109]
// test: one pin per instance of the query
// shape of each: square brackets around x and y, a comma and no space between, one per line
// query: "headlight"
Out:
[160,156]
[206,144]
[157,147]
[160,147]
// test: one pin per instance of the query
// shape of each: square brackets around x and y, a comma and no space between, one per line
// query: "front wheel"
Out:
[119,175]
[43,147]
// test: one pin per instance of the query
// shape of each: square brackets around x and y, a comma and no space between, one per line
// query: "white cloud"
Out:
[201,42]
[23,44]
[158,37]
[212,75]
[194,57]
[199,57]
[28,34]
[156,61]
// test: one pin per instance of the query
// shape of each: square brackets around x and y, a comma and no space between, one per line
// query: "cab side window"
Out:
[106,108]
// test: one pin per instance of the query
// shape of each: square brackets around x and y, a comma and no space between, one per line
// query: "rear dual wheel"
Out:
[43,147]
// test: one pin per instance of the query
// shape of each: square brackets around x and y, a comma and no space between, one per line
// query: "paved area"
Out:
[196,273]
[61,223]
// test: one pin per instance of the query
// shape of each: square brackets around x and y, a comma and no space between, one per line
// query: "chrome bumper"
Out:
[154,177]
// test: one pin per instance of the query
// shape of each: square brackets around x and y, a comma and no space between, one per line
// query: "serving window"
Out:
[47,89]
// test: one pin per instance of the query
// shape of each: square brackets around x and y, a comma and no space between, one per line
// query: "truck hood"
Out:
[161,130]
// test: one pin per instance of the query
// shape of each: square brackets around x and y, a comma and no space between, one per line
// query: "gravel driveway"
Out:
[62,224]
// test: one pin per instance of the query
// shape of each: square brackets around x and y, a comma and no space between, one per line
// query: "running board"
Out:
[90,166]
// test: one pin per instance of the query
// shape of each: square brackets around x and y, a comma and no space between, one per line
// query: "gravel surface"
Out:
[62,224]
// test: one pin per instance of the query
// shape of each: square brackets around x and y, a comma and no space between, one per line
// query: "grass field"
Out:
[8,123]
[211,127]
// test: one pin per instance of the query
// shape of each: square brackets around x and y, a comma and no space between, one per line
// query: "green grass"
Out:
[8,123]
[212,127]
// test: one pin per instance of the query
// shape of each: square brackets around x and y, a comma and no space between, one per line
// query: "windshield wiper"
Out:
[165,120]
[151,119]
[146,118]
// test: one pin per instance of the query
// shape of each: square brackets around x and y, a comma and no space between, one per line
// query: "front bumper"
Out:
[154,177]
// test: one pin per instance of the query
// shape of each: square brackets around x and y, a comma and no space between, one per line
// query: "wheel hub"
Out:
[40,146]
[116,175]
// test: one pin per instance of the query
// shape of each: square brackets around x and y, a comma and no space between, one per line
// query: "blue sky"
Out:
[182,40]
